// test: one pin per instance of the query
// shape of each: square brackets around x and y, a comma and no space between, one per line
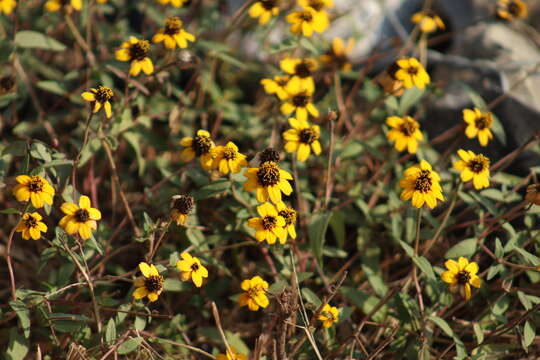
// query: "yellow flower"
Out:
[175,3]
[301,70]
[412,73]
[136,51]
[299,101]
[307,21]
[329,315]
[427,21]
[180,208]
[269,226]
[405,133]
[421,183]
[7,6]
[317,5]
[264,10]
[473,167]
[55,5]
[276,86]
[191,268]
[227,158]
[289,215]
[173,34]
[533,194]
[102,1]
[337,57]
[233,356]
[255,293]
[31,226]
[269,181]
[388,81]
[151,285]
[200,145]
[460,276]
[302,138]
[33,188]
[511,9]
[80,219]
[99,98]
[478,125]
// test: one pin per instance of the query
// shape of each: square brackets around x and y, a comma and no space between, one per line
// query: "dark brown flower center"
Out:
[82,215]
[413,70]
[515,8]
[268,174]
[172,26]
[30,222]
[153,283]
[269,222]
[194,266]
[289,215]
[282,81]
[483,122]
[463,277]
[103,94]
[317,5]
[7,83]
[139,50]
[35,184]
[268,4]
[478,164]
[301,100]
[269,154]
[302,69]
[229,154]
[201,144]
[408,127]
[183,203]
[393,69]
[423,182]
[305,16]
[308,136]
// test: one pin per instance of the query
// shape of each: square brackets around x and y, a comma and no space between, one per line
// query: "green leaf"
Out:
[465,248]
[23,314]
[129,346]
[478,332]
[135,140]
[110,331]
[10,211]
[424,265]
[34,40]
[317,227]
[52,86]
[140,323]
[212,189]
[410,98]
[17,347]
[175,285]
[337,223]
[529,332]
[40,151]
[311,297]
[443,325]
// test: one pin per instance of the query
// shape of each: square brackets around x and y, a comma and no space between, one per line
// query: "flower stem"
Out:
[8,255]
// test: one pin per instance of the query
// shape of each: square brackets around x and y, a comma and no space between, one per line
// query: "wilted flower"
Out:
[533,194]
[180,208]
[337,57]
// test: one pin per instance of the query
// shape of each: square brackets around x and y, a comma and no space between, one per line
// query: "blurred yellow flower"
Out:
[255,293]
[337,57]
[80,219]
[317,5]
[7,6]
[276,86]
[300,70]
[201,145]
[69,5]
[473,167]
[99,98]
[511,9]
[264,10]
[302,139]
[298,101]
[307,21]
[460,276]
[175,3]
[289,215]
[270,226]
[173,34]
[329,315]
[268,180]
[233,356]
[150,285]
[428,22]
[180,208]
[478,125]
[412,73]
[33,188]
[388,81]
[227,158]
[421,184]
[405,133]
[136,51]
[191,268]
[533,194]
[31,226]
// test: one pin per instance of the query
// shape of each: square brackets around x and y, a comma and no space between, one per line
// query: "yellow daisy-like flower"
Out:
[533,194]
[180,208]
[80,219]
[33,188]
[320,7]
[227,158]
[307,21]
[201,145]
[299,101]
[511,9]
[69,5]
[255,293]
[150,285]
[329,315]
[173,34]
[461,275]
[302,139]
[99,98]
[31,226]
[289,215]
[102,1]
[473,167]
[301,70]
[136,51]
[191,268]
[276,86]
[405,133]
[229,356]
[269,181]
[269,226]
[7,6]
[264,10]
[411,73]
[478,125]
[337,57]
[428,22]
[175,3]
[421,183]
